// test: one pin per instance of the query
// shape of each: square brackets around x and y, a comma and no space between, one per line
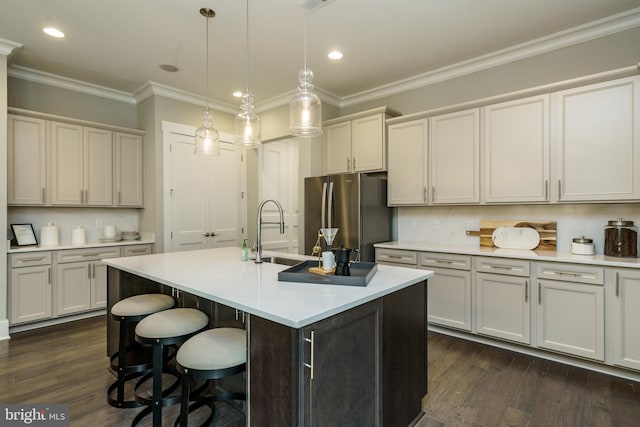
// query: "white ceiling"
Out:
[120,43]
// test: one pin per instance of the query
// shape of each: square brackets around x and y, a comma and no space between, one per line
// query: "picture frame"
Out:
[24,234]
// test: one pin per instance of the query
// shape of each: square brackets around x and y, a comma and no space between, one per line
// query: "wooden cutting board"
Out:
[546,229]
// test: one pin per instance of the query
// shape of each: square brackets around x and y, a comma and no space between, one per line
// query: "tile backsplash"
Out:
[448,224]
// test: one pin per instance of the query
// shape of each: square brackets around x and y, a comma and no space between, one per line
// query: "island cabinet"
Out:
[26,160]
[516,151]
[503,298]
[626,317]
[570,309]
[365,366]
[598,145]
[81,165]
[408,163]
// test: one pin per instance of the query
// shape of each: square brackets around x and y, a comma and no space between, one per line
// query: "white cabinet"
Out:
[357,143]
[503,299]
[30,287]
[127,164]
[454,157]
[82,279]
[81,165]
[598,143]
[26,160]
[626,318]
[449,302]
[516,151]
[135,250]
[397,257]
[570,312]
[408,163]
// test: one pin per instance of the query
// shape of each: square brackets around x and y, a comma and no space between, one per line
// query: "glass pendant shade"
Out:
[248,126]
[207,137]
[305,108]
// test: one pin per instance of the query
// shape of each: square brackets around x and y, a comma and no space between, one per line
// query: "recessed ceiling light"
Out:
[335,54]
[237,94]
[53,32]
[168,67]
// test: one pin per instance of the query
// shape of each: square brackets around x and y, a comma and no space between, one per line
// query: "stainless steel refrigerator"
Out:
[354,203]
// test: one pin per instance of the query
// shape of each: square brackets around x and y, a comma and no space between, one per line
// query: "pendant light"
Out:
[305,108]
[207,137]
[247,122]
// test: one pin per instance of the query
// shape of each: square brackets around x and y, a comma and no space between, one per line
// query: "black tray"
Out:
[361,274]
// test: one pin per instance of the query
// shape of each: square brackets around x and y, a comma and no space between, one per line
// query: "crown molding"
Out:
[590,31]
[8,46]
[151,88]
[54,80]
[283,99]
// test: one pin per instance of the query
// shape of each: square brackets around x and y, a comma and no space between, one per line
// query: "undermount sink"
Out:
[280,260]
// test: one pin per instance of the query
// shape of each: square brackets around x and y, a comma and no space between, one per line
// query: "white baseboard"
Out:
[4,329]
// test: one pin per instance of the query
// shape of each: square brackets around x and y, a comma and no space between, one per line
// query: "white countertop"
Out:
[145,239]
[220,275]
[531,255]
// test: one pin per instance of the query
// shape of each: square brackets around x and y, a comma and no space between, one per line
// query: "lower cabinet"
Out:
[502,299]
[29,287]
[626,318]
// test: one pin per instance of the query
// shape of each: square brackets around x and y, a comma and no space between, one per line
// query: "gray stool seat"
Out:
[159,330]
[142,305]
[131,360]
[210,355]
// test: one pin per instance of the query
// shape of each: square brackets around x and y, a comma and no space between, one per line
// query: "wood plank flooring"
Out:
[470,384]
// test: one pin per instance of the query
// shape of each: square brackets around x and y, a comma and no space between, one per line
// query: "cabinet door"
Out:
[502,307]
[128,170]
[98,284]
[98,170]
[571,318]
[66,164]
[598,141]
[73,287]
[368,144]
[626,319]
[26,161]
[342,377]
[30,294]
[454,160]
[338,148]
[408,160]
[449,302]
[516,151]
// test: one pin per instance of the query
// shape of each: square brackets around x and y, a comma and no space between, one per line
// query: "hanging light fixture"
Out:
[305,108]
[247,122]
[207,137]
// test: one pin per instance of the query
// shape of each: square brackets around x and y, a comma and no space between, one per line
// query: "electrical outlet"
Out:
[436,225]
[98,223]
[471,225]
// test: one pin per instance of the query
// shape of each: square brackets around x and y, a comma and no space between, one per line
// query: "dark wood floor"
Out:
[469,384]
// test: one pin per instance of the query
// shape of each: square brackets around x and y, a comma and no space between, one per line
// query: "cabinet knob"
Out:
[206,234]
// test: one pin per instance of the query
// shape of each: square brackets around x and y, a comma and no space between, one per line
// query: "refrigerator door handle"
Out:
[324,203]
[330,203]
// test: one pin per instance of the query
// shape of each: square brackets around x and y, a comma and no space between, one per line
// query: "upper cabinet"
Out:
[516,151]
[454,163]
[65,163]
[357,143]
[26,160]
[408,163]
[598,142]
[127,170]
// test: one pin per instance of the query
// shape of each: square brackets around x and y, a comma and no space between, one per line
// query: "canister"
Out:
[621,239]
[78,236]
[582,246]
[49,235]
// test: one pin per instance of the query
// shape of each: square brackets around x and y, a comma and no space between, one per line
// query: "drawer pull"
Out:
[539,294]
[617,284]
[526,291]
[394,256]
[310,341]
[32,259]
[137,251]
[567,273]
[443,261]
[500,267]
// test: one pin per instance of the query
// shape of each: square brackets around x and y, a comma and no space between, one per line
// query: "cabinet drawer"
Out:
[435,259]
[397,256]
[570,272]
[88,254]
[31,258]
[511,267]
[136,250]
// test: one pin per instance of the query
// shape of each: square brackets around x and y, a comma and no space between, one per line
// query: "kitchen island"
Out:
[317,354]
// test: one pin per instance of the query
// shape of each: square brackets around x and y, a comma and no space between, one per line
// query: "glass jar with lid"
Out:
[621,238]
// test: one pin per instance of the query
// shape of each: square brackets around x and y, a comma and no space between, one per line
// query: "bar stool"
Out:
[210,355]
[158,330]
[128,312]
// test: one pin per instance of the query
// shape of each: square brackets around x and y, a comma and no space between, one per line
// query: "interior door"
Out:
[225,190]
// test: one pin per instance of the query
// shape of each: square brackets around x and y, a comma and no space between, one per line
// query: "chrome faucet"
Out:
[259,226]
